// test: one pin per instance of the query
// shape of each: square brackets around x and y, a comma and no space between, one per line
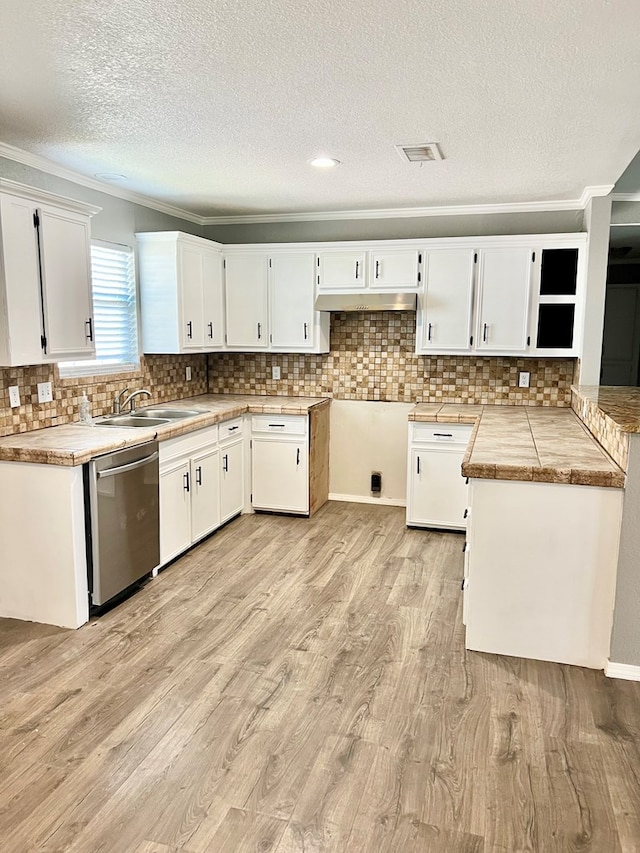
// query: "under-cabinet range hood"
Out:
[365,302]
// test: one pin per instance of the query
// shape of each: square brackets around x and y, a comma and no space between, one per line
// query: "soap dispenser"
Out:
[85,410]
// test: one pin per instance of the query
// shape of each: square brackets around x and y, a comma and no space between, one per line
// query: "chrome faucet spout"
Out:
[131,399]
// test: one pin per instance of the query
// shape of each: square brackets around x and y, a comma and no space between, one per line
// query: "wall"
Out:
[117,222]
[597,221]
[625,638]
[567,221]
[372,357]
[164,375]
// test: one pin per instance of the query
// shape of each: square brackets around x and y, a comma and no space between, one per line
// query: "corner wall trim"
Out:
[628,671]
[364,499]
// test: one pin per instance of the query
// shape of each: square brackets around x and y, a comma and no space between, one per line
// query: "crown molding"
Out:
[625,196]
[43,164]
[35,161]
[43,197]
[401,212]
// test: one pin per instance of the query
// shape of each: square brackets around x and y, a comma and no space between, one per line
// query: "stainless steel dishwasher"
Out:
[123,519]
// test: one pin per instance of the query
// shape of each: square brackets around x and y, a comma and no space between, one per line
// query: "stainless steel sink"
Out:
[170,414]
[132,421]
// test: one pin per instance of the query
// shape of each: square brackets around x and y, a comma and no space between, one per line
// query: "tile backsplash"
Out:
[164,375]
[372,358]
[614,440]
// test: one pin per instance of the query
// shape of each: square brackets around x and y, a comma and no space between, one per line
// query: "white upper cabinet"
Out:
[180,293]
[445,306]
[46,309]
[504,277]
[246,288]
[341,270]
[394,269]
[269,299]
[294,325]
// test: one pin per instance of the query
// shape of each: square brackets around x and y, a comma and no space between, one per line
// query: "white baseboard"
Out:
[628,671]
[367,499]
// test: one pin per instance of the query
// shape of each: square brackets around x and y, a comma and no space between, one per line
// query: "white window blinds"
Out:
[114,313]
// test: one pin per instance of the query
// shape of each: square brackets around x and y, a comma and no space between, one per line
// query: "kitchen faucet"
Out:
[119,404]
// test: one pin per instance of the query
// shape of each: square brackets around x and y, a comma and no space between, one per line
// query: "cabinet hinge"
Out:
[475,257]
[36,220]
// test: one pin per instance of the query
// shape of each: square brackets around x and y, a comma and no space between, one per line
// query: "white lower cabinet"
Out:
[436,490]
[280,463]
[201,485]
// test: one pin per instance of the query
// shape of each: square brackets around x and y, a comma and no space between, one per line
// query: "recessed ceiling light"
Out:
[323,162]
[113,177]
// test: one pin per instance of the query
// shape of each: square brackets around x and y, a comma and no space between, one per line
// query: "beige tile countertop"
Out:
[548,445]
[74,444]
[620,403]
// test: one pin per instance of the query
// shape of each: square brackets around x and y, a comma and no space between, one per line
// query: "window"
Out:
[115,319]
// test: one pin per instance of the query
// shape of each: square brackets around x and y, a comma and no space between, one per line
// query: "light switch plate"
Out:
[45,392]
[14,396]
[187,374]
[523,379]
[275,371]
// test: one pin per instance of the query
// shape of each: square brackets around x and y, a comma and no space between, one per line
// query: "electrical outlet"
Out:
[45,392]
[187,374]
[523,379]
[14,396]
[275,372]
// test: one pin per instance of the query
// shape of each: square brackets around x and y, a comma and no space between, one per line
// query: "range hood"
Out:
[365,302]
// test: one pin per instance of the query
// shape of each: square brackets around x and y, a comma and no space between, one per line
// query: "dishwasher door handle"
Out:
[110,472]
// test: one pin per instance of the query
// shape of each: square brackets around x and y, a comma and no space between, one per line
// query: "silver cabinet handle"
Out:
[111,472]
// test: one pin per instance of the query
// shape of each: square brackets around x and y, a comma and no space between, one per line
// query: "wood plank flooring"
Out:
[301,685]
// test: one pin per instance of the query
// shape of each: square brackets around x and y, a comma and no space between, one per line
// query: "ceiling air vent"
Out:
[421,153]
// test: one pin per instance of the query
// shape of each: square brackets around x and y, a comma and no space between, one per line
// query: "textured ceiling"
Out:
[215,105]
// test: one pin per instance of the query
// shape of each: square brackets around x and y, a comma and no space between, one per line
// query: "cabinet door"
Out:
[280,475]
[503,299]
[231,480]
[445,307]
[438,493]
[341,270]
[291,291]
[191,283]
[21,325]
[68,308]
[213,301]
[246,296]
[175,511]
[394,270]
[205,494]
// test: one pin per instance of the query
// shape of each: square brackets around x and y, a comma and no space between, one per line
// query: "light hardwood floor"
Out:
[302,685]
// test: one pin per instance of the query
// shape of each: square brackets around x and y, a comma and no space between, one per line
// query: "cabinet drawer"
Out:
[280,424]
[231,429]
[184,445]
[441,433]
